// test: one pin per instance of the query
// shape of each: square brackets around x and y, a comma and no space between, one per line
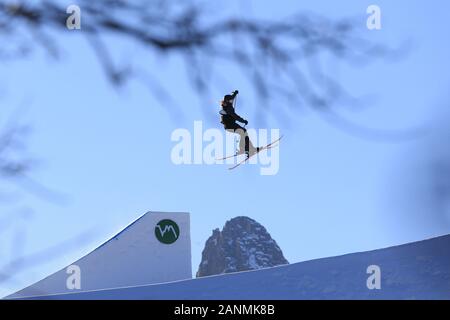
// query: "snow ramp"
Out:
[155,248]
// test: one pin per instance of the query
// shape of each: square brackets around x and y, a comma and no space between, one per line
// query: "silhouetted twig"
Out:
[269,53]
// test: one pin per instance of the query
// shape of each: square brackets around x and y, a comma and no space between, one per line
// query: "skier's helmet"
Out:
[228,98]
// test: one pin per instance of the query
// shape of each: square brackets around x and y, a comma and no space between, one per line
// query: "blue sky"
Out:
[108,150]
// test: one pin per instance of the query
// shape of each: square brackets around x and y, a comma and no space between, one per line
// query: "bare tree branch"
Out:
[268,52]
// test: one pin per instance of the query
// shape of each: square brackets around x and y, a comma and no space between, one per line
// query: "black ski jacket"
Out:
[229,116]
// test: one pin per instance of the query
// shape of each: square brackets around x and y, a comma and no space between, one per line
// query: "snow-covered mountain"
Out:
[419,270]
[242,245]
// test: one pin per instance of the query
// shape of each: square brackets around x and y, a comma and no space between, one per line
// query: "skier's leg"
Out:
[232,129]
[251,147]
[241,133]
[245,144]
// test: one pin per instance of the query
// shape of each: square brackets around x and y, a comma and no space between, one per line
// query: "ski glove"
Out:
[245,122]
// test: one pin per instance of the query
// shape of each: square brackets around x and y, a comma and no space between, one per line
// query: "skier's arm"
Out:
[239,118]
[233,96]
[230,111]
[235,115]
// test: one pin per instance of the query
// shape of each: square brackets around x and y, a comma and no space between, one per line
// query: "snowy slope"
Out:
[419,270]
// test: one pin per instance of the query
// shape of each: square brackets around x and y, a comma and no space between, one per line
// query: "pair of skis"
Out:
[267,147]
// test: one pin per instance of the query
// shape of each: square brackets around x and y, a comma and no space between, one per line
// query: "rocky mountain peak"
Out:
[243,244]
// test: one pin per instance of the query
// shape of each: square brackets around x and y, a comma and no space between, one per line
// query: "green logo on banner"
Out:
[167,231]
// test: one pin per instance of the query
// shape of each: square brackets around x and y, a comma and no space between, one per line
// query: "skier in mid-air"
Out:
[229,118]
